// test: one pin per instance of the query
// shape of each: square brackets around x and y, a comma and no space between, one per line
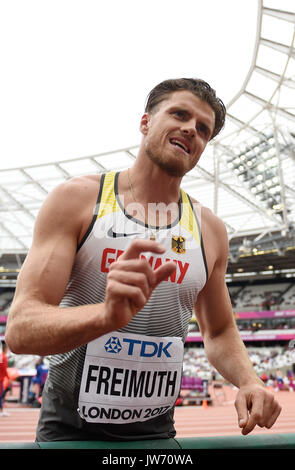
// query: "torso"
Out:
[166,315]
[208,219]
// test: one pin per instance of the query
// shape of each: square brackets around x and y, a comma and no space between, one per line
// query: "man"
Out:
[109,291]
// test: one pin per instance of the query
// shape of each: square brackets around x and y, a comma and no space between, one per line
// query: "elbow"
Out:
[11,340]
[14,344]
[13,337]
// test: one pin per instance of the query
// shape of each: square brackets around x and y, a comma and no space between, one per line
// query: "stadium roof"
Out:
[246,175]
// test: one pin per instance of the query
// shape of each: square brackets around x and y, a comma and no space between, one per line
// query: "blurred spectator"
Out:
[272,364]
[4,377]
[38,381]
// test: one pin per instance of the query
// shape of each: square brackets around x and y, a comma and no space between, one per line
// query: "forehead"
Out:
[192,103]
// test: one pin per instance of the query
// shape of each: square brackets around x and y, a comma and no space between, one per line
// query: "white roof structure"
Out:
[246,175]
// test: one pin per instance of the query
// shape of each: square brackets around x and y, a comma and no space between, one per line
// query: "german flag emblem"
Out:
[178,244]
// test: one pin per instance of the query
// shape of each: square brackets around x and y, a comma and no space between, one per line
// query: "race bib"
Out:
[128,378]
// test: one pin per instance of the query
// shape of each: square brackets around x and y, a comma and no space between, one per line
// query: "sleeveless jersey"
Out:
[124,385]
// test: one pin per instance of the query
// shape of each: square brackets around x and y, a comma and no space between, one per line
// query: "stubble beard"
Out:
[173,167]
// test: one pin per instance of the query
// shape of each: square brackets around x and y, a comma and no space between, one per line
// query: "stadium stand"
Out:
[263,296]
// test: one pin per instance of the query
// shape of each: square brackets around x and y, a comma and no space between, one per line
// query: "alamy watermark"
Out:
[291,344]
[157,219]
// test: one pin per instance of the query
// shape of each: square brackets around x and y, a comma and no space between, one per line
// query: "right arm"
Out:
[36,324]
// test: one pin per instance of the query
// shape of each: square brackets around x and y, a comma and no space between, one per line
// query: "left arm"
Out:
[223,345]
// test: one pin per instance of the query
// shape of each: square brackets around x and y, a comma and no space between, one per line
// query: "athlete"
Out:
[118,263]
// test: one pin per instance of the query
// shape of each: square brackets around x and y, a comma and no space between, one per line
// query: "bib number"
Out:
[128,378]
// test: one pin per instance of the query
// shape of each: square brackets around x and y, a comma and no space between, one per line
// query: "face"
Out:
[177,132]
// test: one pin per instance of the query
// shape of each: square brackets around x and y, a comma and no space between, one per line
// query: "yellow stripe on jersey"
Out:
[108,202]
[188,218]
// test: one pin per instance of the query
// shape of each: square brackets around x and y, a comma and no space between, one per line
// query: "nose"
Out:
[188,128]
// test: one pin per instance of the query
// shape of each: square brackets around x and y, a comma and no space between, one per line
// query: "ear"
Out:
[144,123]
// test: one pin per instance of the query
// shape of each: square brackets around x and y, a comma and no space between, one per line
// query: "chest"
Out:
[113,233]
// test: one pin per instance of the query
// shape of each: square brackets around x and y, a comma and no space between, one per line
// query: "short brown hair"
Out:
[198,87]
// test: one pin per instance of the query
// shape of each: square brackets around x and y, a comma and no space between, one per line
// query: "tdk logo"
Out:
[137,347]
[113,345]
[147,348]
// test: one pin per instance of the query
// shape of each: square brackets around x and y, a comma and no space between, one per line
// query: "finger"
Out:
[255,416]
[139,246]
[274,416]
[164,271]
[271,411]
[130,278]
[136,266]
[242,410]
[117,290]
[268,408]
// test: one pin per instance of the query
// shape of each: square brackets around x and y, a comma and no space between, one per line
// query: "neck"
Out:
[152,184]
[154,194]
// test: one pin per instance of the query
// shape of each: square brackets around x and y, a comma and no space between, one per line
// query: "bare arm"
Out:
[36,324]
[223,345]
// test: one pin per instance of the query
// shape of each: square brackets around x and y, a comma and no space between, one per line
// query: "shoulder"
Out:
[68,205]
[210,223]
[79,188]
[74,193]
[215,239]
[213,222]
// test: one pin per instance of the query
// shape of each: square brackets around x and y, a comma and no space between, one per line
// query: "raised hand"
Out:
[130,282]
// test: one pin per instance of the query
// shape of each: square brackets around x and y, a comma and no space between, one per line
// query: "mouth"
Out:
[182,144]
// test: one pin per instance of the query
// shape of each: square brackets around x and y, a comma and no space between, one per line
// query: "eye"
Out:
[180,114]
[203,129]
